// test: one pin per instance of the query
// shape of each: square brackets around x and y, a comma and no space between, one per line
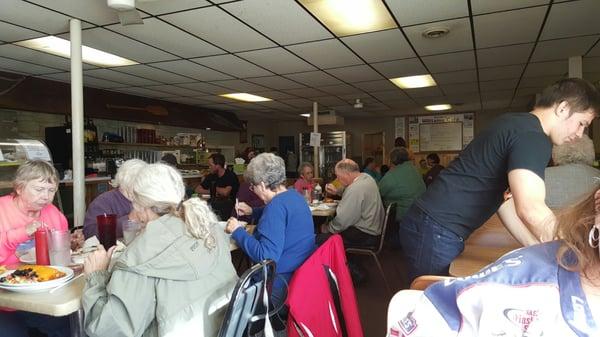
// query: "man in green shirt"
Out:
[402,184]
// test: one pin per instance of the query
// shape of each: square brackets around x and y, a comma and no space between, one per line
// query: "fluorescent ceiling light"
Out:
[349,17]
[242,96]
[61,47]
[305,115]
[410,82]
[438,107]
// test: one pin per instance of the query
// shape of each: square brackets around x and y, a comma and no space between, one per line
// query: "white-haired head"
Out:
[160,189]
[126,175]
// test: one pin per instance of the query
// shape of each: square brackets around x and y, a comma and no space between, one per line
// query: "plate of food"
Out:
[34,278]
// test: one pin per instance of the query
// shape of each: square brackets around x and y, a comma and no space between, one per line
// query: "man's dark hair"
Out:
[368,161]
[580,94]
[398,155]
[434,158]
[399,142]
[218,159]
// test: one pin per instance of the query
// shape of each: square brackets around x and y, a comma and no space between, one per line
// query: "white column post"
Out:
[315,116]
[77,124]
[575,67]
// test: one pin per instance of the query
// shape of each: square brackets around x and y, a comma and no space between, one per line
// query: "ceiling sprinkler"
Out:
[358,104]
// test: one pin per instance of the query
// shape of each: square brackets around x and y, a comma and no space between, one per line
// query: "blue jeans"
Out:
[428,246]
[16,324]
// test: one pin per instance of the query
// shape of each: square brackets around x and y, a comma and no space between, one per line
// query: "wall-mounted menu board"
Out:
[439,133]
[440,137]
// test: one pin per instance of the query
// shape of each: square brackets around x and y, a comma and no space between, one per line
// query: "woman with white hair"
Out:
[285,230]
[171,276]
[116,201]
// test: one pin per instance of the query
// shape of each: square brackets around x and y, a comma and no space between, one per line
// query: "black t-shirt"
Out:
[228,179]
[470,190]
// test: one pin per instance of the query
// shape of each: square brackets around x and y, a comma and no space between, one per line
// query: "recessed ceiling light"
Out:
[410,82]
[438,107]
[344,17]
[305,115]
[242,96]
[61,47]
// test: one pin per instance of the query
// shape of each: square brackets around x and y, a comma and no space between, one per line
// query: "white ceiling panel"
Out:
[219,28]
[232,65]
[193,70]
[528,92]
[572,19]
[411,12]
[34,17]
[24,67]
[519,26]
[341,89]
[496,104]
[399,68]
[286,22]
[186,100]
[36,57]
[116,76]
[538,69]
[329,101]
[595,51]
[486,6]
[499,56]
[591,64]
[424,92]
[114,43]
[451,77]
[155,74]
[12,33]
[298,102]
[498,85]
[458,39]
[277,60]
[460,88]
[493,95]
[314,78]
[143,92]
[240,85]
[205,87]
[96,12]
[391,95]
[274,94]
[379,85]
[352,74]
[326,54]
[380,46]
[88,81]
[450,62]
[535,82]
[162,7]
[563,48]
[166,37]
[276,82]
[401,104]
[305,92]
[176,90]
[501,73]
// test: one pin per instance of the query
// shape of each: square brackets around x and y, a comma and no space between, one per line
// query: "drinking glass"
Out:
[107,229]
[130,230]
[59,248]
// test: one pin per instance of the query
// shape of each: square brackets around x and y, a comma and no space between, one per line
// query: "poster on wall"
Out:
[399,128]
[244,132]
[258,142]
[454,121]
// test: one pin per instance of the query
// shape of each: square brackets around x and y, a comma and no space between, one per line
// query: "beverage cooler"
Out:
[14,152]
[332,150]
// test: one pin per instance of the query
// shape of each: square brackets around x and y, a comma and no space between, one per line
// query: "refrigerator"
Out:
[333,149]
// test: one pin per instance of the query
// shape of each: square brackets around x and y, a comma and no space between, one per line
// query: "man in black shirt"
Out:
[513,152]
[221,184]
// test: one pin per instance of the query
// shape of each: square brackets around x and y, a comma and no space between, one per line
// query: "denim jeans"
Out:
[16,323]
[428,246]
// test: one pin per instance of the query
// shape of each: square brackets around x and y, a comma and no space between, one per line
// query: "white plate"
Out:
[28,257]
[41,286]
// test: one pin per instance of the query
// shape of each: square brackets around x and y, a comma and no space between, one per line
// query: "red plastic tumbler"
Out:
[107,229]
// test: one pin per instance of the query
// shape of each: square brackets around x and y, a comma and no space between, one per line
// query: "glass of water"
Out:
[131,229]
[59,248]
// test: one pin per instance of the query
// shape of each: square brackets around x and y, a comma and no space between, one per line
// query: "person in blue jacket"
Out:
[285,230]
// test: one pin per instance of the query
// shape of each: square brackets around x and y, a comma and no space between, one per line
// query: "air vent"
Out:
[435,32]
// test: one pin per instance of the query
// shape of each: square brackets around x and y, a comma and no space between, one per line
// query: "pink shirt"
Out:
[301,184]
[13,223]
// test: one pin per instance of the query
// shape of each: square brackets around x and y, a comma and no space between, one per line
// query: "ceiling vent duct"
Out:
[327,117]
[435,32]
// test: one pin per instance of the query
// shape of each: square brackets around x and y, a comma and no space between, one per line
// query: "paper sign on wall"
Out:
[1,156]
[315,139]
[34,149]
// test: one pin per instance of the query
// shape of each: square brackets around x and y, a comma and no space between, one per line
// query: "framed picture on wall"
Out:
[244,133]
[258,142]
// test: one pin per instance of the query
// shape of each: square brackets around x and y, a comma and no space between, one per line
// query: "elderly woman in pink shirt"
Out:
[305,182]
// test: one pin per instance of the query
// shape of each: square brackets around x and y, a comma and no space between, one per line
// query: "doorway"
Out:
[287,151]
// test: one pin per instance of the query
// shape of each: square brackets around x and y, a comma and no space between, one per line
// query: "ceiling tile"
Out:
[491,29]
[499,56]
[460,88]
[314,78]
[509,84]
[276,105]
[34,17]
[391,95]
[115,76]
[495,104]
[486,6]
[572,19]
[36,57]
[451,77]
[380,85]
[114,43]
[500,73]
[218,99]
[186,100]
[218,27]
[595,51]
[240,85]
[88,81]
[166,37]
[563,48]
[305,92]
[537,69]
[450,62]
[410,12]
[24,67]
[521,91]
[458,39]
[326,54]
[275,82]
[232,65]
[205,87]
[492,95]
[277,60]
[329,101]
[12,33]
[191,69]
[591,64]
[424,92]
[359,73]
[172,89]
[342,89]
[534,82]
[380,46]
[273,94]
[142,92]
[286,22]
[96,12]
[298,102]
[162,7]
[155,74]
[399,68]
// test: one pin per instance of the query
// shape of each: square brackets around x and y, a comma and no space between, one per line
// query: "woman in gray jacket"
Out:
[174,279]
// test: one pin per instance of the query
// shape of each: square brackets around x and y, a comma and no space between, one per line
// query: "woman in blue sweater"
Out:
[285,231]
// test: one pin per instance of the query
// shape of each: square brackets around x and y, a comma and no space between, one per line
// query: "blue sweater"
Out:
[285,233]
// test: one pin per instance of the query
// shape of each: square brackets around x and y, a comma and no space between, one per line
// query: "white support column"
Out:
[77,123]
[315,116]
[575,67]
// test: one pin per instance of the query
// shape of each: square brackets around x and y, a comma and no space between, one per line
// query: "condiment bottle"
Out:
[41,246]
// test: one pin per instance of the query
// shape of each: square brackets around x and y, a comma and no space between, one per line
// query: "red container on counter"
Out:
[41,246]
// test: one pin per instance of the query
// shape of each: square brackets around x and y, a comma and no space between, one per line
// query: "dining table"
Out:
[474,258]
[323,209]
